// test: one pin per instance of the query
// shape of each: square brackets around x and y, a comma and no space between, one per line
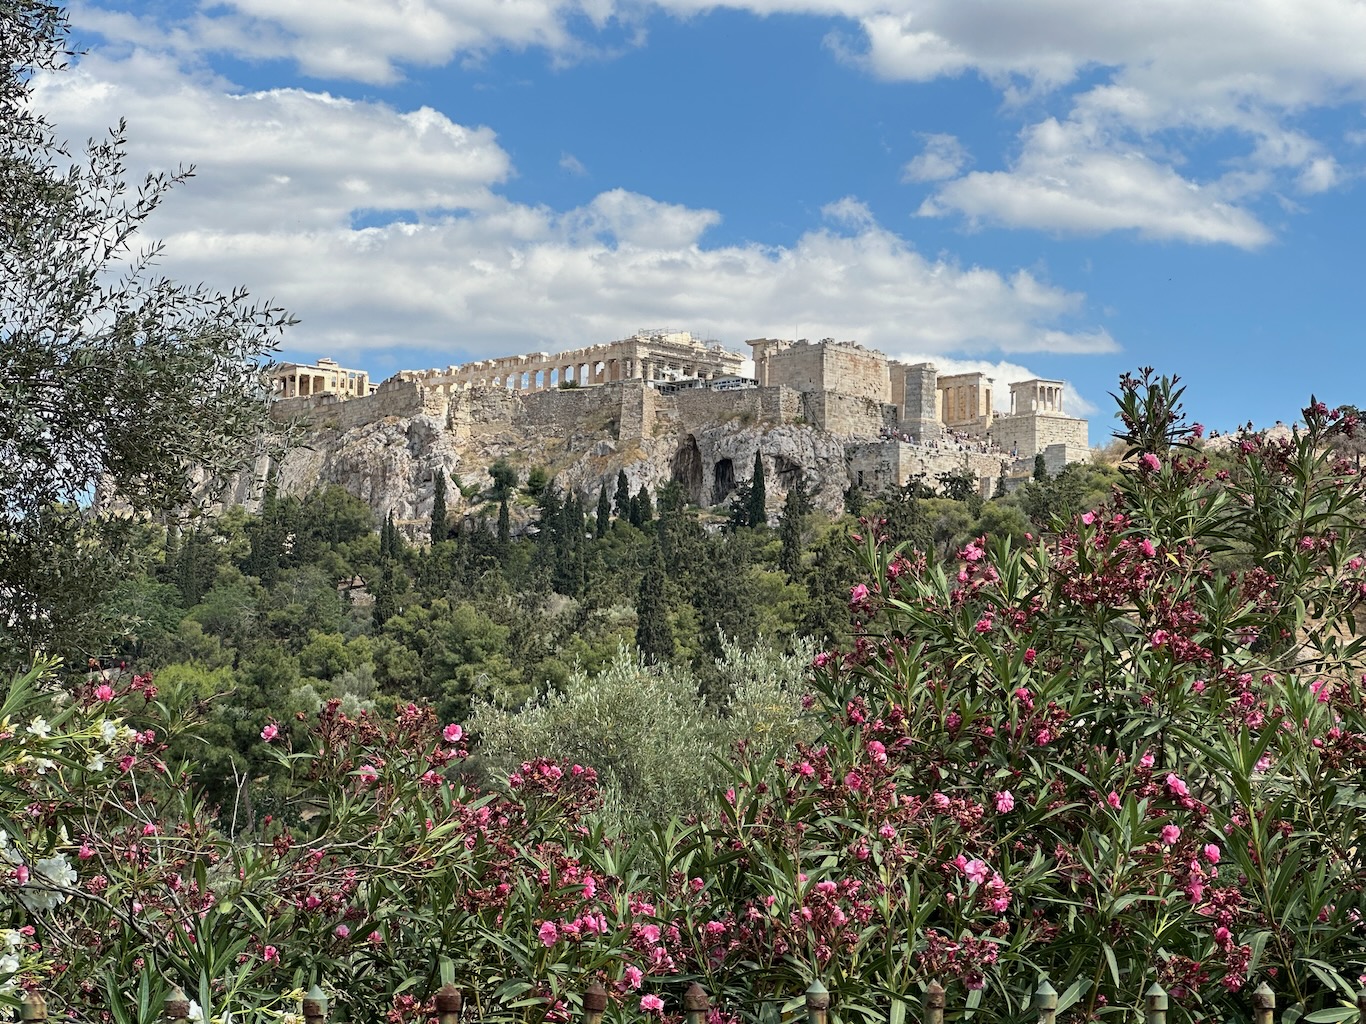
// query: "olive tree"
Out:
[114,379]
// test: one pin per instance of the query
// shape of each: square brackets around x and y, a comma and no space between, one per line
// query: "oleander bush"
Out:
[1130,751]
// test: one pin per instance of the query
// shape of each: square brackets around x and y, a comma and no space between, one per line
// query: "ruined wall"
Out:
[1032,433]
[394,398]
[875,465]
[848,416]
[828,366]
[920,400]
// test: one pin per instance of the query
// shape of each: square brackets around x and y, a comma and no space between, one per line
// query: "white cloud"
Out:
[573,165]
[1173,76]
[1065,181]
[440,260]
[943,157]
[285,156]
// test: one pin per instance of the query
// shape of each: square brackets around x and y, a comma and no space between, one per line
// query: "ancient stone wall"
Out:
[848,416]
[874,465]
[1029,433]
[919,400]
[393,398]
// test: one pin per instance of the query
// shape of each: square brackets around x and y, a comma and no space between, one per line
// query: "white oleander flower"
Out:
[39,727]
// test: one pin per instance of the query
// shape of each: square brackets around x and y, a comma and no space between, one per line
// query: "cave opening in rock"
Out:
[687,470]
[722,480]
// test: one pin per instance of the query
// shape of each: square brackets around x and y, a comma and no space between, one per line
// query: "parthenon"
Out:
[649,355]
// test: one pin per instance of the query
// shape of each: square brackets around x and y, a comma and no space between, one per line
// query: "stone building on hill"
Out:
[664,405]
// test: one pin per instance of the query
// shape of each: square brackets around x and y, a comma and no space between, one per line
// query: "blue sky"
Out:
[1032,187]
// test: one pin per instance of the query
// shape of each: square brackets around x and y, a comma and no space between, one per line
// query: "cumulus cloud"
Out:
[573,165]
[385,228]
[1152,82]
[1065,181]
[283,156]
[943,157]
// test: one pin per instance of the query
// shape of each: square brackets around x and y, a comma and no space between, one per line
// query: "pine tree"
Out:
[621,506]
[440,531]
[758,498]
[604,520]
[654,635]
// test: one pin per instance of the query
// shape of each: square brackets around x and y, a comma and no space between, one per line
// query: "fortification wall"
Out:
[848,416]
[1034,432]
[393,398]
[919,400]
[874,465]
[857,372]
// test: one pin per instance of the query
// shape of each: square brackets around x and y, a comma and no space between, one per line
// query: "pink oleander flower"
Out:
[877,752]
[270,732]
[548,934]
[269,954]
[104,692]
[150,829]
[1151,462]
[634,976]
[652,1004]
[374,938]
[1146,546]
[1029,655]
[858,593]
[984,624]
[1087,518]
[1113,800]
[1147,760]
[452,733]
[367,774]
[1176,787]
[1170,834]
[976,871]
[21,874]
[1005,802]
[1211,852]
[341,931]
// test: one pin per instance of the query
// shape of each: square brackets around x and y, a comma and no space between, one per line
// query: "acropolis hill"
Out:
[663,405]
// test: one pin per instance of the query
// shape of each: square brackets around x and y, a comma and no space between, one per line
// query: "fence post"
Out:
[1156,998]
[1263,1004]
[594,1002]
[817,1003]
[934,1003]
[695,1004]
[177,1006]
[1046,1002]
[448,1003]
[34,1006]
[315,1005]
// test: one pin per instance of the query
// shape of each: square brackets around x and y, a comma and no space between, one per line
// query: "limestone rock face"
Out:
[391,463]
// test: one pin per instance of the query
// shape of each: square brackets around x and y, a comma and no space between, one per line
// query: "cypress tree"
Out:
[758,498]
[644,506]
[790,533]
[1040,467]
[654,635]
[621,506]
[633,511]
[504,526]
[440,531]
[604,519]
